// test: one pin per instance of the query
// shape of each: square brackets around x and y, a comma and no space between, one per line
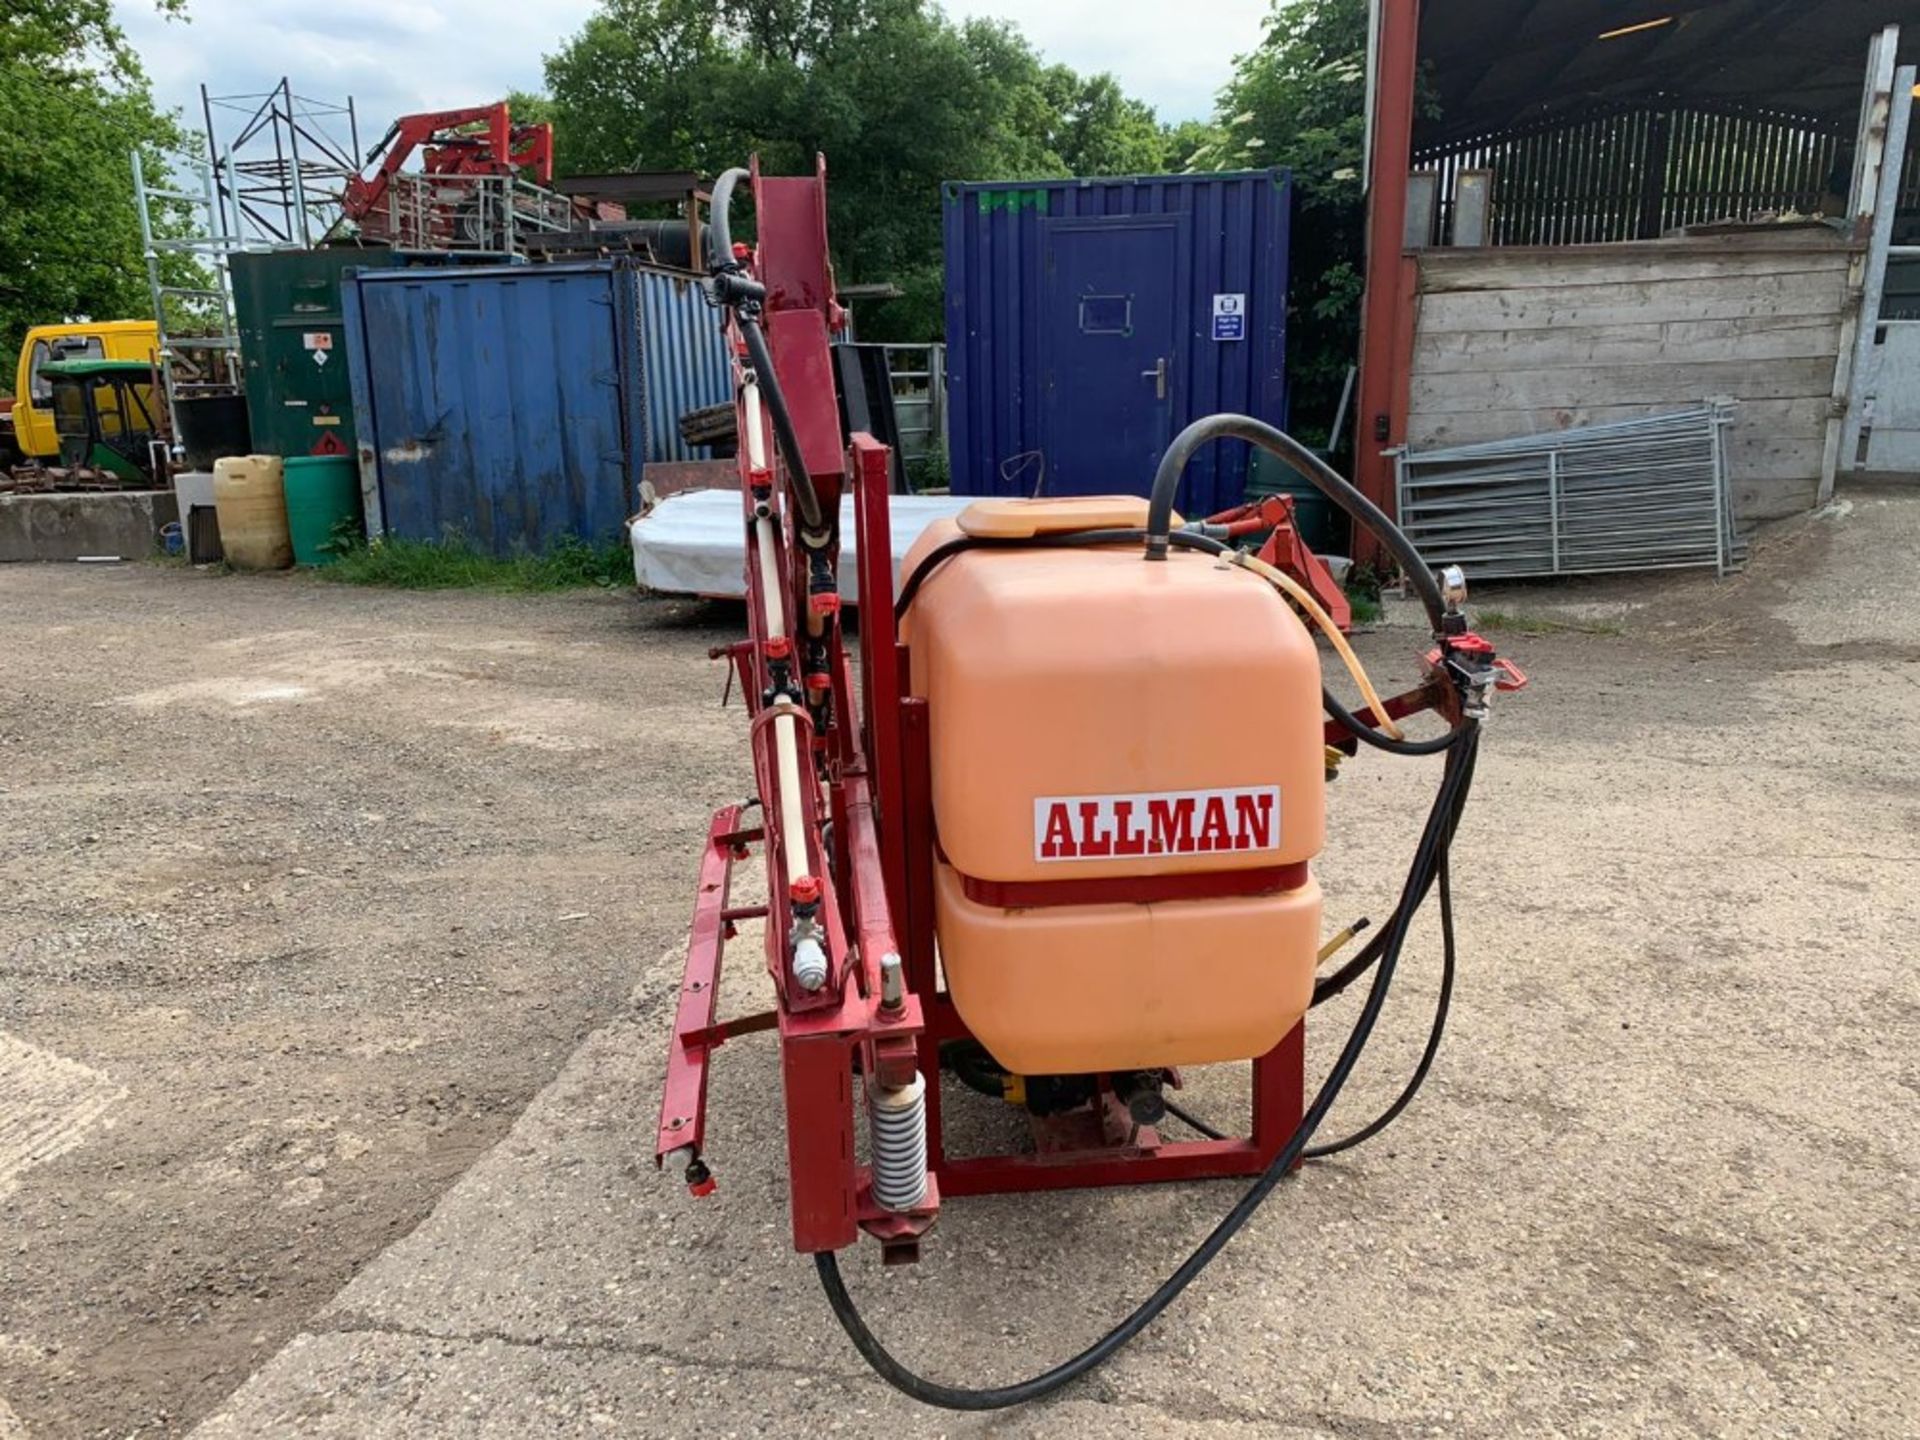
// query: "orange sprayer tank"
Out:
[1128,782]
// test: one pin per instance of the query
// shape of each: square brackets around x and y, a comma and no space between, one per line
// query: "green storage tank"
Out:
[1322,524]
[323,499]
[292,346]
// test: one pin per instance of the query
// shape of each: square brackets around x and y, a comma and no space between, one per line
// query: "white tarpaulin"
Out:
[695,543]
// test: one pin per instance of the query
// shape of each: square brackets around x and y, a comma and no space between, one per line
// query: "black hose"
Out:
[946,550]
[1166,484]
[1426,856]
[1192,1121]
[1367,735]
[1449,962]
[1331,985]
[732,288]
[815,532]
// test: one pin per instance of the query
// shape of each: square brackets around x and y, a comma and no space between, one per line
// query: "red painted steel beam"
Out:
[880,656]
[1092,1169]
[683,1105]
[1386,337]
[791,261]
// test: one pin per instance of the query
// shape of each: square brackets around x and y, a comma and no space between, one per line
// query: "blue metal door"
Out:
[1110,288]
[501,404]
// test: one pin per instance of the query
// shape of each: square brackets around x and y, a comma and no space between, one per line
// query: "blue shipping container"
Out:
[510,404]
[683,357]
[1088,321]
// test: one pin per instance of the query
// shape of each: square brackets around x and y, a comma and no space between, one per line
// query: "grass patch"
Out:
[1519,622]
[457,564]
[1363,594]
[929,472]
[1366,608]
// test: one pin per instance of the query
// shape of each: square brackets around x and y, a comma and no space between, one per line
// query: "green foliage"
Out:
[1366,608]
[930,472]
[898,96]
[1190,146]
[1299,100]
[75,104]
[457,564]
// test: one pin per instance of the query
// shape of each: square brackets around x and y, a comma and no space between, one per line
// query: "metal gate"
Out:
[1644,494]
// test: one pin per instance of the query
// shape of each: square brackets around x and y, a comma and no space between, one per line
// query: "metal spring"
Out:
[897,1120]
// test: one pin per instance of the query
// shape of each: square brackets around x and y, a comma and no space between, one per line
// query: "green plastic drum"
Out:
[323,496]
[1322,524]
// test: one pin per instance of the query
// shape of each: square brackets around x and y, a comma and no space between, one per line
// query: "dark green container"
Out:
[293,346]
[323,492]
[1323,525]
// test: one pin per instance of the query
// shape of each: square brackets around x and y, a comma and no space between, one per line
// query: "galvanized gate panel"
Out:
[1643,494]
[1890,417]
[502,404]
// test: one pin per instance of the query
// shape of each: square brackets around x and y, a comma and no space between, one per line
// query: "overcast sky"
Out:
[398,56]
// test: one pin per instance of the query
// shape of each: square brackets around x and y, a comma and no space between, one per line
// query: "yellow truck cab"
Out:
[33,427]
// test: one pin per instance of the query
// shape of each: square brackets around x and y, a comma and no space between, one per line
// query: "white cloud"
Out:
[1174,56]
[398,56]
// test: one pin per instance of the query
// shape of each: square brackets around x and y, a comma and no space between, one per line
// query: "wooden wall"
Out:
[1515,341]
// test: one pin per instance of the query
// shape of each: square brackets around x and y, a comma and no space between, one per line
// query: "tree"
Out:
[895,94]
[1299,100]
[75,104]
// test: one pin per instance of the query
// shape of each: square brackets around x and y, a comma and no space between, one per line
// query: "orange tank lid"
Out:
[1023,519]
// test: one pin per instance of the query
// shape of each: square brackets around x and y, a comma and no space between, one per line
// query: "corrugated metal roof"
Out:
[1493,64]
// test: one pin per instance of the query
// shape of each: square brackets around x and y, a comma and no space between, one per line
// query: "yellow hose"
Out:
[1298,593]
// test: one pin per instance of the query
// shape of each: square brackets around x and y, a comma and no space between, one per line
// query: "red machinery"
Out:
[1283,548]
[846,823]
[456,145]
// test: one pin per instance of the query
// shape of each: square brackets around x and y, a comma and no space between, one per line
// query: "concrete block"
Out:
[126,523]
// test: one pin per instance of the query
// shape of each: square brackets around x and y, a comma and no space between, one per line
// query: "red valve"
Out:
[742,250]
[779,647]
[819,682]
[805,890]
[826,603]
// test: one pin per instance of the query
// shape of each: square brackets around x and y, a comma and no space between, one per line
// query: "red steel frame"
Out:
[1387,321]
[870,773]
[866,770]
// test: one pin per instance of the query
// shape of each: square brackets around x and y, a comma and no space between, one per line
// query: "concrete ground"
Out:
[1662,1182]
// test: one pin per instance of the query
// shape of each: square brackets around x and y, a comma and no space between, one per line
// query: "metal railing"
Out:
[919,374]
[467,214]
[1644,494]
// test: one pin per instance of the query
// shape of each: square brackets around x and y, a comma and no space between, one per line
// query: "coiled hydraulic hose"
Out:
[744,297]
[1336,487]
